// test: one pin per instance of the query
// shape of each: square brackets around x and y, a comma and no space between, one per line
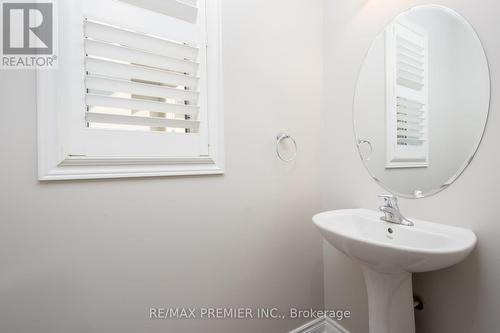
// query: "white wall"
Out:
[461,299]
[93,256]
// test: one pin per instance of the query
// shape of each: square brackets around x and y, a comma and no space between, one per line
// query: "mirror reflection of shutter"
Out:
[407,96]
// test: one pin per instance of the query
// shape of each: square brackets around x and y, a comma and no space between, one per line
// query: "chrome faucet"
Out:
[391,211]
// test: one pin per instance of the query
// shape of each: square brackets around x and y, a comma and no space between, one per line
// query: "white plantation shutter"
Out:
[156,75]
[132,96]
[140,88]
[407,95]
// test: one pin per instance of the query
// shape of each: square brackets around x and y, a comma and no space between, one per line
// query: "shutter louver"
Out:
[182,9]
[410,119]
[410,63]
[138,81]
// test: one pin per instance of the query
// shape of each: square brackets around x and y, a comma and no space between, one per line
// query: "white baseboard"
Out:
[321,325]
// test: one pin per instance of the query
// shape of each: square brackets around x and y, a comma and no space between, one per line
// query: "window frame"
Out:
[52,135]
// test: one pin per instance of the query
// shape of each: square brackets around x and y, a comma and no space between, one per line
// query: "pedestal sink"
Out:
[388,254]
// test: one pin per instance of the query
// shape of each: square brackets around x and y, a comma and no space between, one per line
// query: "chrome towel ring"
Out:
[362,142]
[280,138]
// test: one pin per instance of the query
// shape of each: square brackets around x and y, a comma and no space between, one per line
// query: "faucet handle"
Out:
[389,200]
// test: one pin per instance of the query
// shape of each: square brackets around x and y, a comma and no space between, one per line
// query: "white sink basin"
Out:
[388,254]
[360,234]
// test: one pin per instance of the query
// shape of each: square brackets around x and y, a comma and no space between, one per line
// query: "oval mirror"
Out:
[422,101]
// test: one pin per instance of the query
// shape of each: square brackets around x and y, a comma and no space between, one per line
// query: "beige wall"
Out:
[93,256]
[461,299]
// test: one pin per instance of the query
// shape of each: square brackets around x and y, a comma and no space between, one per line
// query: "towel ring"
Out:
[369,144]
[279,139]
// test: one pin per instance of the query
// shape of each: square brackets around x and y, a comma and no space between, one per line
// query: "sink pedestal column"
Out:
[390,301]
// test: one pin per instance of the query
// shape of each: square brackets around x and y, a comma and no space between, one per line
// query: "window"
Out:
[407,114]
[137,91]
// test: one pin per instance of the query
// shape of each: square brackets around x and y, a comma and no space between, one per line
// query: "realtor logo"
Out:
[28,34]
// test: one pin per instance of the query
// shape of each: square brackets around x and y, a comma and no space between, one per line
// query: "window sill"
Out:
[80,168]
